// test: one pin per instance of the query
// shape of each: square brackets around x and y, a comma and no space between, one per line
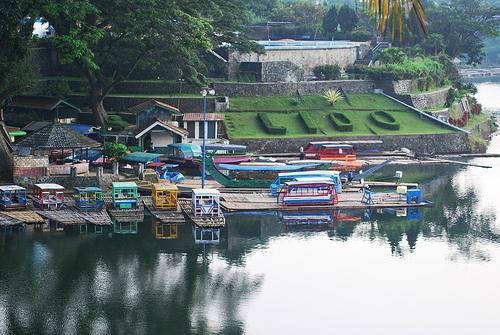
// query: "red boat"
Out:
[330,151]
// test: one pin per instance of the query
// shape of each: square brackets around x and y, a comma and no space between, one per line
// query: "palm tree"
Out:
[397,10]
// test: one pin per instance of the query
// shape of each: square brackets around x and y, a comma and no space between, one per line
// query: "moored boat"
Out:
[330,151]
[309,192]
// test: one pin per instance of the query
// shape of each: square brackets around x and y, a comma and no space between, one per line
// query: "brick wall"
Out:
[30,165]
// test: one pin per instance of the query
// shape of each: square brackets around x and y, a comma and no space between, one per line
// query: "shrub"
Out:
[309,122]
[327,72]
[341,122]
[332,96]
[117,123]
[385,120]
[269,127]
[115,150]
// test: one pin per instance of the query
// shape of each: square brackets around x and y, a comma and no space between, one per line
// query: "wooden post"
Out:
[72,171]
[99,172]
[115,168]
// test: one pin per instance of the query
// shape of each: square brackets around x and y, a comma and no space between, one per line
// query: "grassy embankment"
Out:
[242,121]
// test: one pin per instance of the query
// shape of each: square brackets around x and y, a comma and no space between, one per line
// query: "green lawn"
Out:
[246,124]
[367,101]
[242,120]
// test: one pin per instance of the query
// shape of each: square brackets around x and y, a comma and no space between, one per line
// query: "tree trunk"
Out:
[97,106]
[6,159]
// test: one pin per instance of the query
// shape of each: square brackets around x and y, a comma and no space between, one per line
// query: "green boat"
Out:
[266,174]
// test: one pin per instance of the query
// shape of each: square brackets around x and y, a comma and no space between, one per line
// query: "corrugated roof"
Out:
[147,104]
[180,131]
[199,117]
[56,136]
[36,125]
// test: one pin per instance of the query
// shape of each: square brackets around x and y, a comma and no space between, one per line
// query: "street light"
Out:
[204,92]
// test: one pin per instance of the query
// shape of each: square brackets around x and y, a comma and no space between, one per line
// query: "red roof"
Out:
[199,117]
[146,104]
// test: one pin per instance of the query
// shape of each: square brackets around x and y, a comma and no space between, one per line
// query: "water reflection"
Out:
[160,279]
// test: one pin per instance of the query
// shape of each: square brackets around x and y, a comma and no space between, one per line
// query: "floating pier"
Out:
[73,216]
[347,200]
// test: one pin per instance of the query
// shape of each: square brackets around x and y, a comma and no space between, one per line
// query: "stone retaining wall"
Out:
[421,144]
[287,89]
[429,99]
[186,105]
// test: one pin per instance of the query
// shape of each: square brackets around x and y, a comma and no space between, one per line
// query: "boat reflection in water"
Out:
[165,231]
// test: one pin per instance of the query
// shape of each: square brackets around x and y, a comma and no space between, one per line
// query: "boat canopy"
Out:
[141,157]
[187,149]
[341,146]
[308,173]
[233,167]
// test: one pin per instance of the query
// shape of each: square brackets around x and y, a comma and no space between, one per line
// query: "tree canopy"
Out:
[109,40]
[347,18]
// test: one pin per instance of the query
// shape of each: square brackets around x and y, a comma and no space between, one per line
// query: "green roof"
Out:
[124,184]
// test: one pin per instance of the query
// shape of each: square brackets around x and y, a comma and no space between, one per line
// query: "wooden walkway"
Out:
[201,221]
[162,214]
[347,200]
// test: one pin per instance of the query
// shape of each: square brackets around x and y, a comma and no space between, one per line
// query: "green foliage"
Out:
[117,123]
[53,88]
[463,25]
[109,41]
[428,71]
[347,18]
[269,127]
[341,122]
[16,68]
[357,35]
[392,56]
[309,122]
[385,120]
[332,96]
[330,22]
[327,72]
[115,150]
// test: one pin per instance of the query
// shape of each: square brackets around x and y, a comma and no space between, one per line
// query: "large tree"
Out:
[109,40]
[330,22]
[16,71]
[463,25]
[347,18]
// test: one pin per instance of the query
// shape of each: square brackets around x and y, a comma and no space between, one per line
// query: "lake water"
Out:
[436,271]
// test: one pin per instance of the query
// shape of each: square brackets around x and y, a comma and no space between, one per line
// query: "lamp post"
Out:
[204,92]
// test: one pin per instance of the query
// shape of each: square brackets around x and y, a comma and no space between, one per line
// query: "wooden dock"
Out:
[174,216]
[125,215]
[347,200]
[201,221]
[73,216]
[26,216]
[7,221]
